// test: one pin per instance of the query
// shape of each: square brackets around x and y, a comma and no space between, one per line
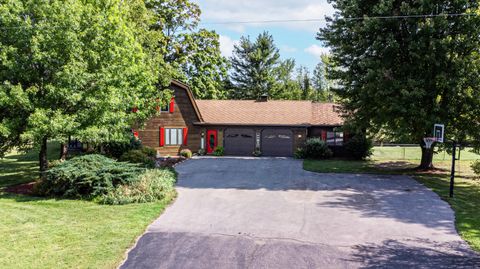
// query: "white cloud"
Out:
[226,45]
[254,10]
[316,50]
[287,49]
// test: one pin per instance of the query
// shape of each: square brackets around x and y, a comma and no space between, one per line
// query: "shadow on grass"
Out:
[417,253]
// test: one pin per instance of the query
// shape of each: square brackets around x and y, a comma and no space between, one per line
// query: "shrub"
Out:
[315,148]
[201,152]
[219,151]
[88,176]
[186,153]
[299,153]
[359,147]
[150,152]
[153,185]
[476,167]
[138,156]
[116,149]
[257,153]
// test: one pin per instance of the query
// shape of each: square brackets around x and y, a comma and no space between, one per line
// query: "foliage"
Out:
[476,167]
[150,152]
[322,85]
[186,153]
[201,152]
[387,81]
[219,151]
[151,186]
[359,147]
[253,66]
[71,68]
[299,153]
[195,54]
[88,176]
[116,149]
[139,156]
[257,152]
[316,148]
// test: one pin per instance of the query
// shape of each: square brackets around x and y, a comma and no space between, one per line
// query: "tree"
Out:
[253,66]
[305,83]
[194,54]
[402,75]
[75,68]
[285,86]
[321,83]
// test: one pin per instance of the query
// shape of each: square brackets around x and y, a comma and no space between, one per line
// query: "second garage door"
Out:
[277,142]
[239,142]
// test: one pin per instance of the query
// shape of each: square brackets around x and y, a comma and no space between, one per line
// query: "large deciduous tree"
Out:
[194,53]
[401,74]
[75,68]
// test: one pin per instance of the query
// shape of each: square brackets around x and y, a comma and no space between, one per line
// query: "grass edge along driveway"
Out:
[465,203]
[62,233]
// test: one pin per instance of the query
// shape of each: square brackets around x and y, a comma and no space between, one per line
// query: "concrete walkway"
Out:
[270,213]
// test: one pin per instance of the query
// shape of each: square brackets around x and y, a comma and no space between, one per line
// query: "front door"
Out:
[211,140]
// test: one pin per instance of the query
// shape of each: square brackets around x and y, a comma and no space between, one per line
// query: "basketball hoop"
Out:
[429,141]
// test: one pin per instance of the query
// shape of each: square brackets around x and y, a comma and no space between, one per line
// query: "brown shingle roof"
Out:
[271,112]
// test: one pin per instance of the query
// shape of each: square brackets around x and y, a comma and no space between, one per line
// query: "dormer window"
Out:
[165,108]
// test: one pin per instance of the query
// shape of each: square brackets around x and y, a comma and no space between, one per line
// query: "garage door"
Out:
[239,141]
[277,142]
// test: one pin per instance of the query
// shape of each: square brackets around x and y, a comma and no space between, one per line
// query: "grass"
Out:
[60,233]
[465,203]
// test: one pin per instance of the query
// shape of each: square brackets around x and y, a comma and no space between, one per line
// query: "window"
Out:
[165,108]
[335,138]
[173,136]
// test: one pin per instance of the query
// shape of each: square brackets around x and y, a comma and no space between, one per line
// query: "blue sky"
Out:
[294,39]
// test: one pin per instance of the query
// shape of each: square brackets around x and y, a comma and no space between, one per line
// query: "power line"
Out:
[351,18]
[284,21]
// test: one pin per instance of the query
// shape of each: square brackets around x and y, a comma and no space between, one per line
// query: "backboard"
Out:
[438,132]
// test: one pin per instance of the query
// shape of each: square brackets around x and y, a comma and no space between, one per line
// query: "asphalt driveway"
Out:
[270,213]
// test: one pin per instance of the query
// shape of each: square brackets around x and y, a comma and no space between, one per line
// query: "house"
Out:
[275,127]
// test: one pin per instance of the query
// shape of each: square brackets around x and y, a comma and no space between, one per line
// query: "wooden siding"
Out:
[184,115]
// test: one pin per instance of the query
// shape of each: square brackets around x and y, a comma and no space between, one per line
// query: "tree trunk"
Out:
[427,159]
[63,151]
[42,156]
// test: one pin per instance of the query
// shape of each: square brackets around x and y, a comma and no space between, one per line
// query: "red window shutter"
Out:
[162,136]
[185,136]
[172,105]
[324,135]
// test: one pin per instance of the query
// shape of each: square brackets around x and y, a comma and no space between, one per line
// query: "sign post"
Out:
[452,175]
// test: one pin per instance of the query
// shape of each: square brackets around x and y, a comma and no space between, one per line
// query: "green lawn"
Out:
[60,233]
[465,203]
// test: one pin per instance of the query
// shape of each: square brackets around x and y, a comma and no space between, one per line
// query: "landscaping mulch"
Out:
[26,188]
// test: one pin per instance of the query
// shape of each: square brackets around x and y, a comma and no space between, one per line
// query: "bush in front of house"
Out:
[116,149]
[153,185]
[299,153]
[201,152]
[257,152]
[186,153]
[359,147]
[316,148]
[88,176]
[219,151]
[107,181]
[476,167]
[145,156]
